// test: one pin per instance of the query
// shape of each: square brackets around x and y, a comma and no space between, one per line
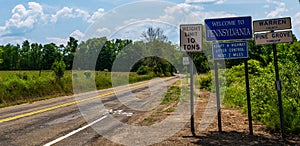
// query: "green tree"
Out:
[50,53]
[156,41]
[35,56]
[69,52]
[59,69]
[10,57]
[201,62]
[1,51]
[24,54]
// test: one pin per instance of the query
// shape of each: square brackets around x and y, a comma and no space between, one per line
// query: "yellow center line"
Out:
[63,105]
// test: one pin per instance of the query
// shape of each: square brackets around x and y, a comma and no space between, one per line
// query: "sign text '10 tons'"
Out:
[191,37]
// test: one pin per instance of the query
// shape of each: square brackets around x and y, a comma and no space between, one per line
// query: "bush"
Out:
[87,74]
[264,99]
[142,70]
[205,81]
[59,69]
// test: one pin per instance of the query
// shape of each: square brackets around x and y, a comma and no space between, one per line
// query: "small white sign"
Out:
[186,61]
[191,37]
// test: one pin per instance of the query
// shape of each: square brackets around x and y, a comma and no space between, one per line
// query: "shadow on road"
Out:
[238,138]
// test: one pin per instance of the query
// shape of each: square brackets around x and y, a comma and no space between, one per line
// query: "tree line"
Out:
[34,56]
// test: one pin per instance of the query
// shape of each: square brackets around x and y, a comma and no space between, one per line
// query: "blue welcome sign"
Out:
[230,50]
[235,28]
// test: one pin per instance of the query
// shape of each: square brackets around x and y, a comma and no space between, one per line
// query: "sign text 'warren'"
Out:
[272,24]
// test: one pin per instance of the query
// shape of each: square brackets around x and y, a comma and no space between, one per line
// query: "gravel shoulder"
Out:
[234,126]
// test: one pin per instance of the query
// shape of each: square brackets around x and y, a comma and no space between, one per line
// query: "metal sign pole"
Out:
[192,94]
[218,96]
[278,88]
[248,97]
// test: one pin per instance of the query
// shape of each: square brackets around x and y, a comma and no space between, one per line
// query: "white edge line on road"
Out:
[74,132]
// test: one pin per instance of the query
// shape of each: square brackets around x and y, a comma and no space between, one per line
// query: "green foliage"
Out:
[149,119]
[87,74]
[1,51]
[142,70]
[172,95]
[59,69]
[18,87]
[69,52]
[263,94]
[154,49]
[205,81]
[134,77]
[201,62]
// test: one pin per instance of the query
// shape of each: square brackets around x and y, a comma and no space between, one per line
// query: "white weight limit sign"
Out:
[191,37]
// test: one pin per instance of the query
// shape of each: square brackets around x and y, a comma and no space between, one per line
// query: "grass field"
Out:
[18,87]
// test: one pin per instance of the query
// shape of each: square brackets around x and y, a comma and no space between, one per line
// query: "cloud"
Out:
[13,40]
[57,40]
[103,31]
[220,2]
[67,12]
[266,6]
[296,22]
[296,19]
[23,19]
[77,34]
[168,21]
[177,14]
[205,1]
[180,13]
[278,11]
[26,17]
[96,15]
[81,13]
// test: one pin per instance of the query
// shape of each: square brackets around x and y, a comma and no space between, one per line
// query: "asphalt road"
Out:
[60,121]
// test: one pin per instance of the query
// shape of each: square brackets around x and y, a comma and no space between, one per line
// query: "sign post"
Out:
[218,96]
[248,96]
[191,41]
[235,28]
[278,88]
[232,50]
[192,95]
[274,38]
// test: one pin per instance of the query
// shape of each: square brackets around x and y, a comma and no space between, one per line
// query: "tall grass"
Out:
[21,86]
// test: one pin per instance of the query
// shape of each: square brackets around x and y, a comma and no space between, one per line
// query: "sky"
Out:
[55,21]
